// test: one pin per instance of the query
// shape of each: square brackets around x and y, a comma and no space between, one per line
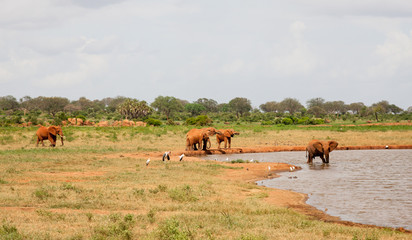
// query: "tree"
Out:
[210,104]
[335,107]
[315,102]
[395,109]
[8,103]
[317,111]
[356,107]
[270,107]
[112,103]
[240,105]
[290,105]
[195,108]
[133,108]
[167,105]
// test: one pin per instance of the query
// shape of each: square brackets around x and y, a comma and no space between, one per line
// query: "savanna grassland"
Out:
[97,186]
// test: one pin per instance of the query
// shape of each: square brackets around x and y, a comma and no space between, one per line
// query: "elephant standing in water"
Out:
[226,137]
[199,137]
[320,149]
[49,133]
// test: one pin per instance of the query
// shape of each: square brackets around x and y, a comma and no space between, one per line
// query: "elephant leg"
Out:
[230,142]
[323,159]
[310,158]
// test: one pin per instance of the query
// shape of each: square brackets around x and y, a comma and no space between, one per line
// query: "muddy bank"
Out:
[285,149]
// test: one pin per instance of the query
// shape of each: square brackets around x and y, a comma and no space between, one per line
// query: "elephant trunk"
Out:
[326,157]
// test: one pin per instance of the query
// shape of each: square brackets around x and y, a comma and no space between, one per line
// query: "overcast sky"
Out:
[263,50]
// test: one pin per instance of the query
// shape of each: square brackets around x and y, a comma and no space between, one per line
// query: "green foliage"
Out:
[117,228]
[171,230]
[42,193]
[287,121]
[9,232]
[153,122]
[201,120]
[134,109]
[167,105]
[195,108]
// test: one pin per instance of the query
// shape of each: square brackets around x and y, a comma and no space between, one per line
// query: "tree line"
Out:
[172,109]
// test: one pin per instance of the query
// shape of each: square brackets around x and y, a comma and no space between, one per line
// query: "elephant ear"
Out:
[318,146]
[332,145]
[228,133]
[52,130]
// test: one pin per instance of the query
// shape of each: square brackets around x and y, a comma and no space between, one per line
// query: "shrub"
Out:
[266,123]
[201,120]
[287,121]
[153,122]
[170,229]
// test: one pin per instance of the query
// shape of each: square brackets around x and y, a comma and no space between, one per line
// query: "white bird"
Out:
[227,159]
[148,161]
[269,168]
[251,160]
[181,157]
[166,155]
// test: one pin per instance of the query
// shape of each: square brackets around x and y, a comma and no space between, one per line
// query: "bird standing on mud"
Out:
[181,157]
[166,155]
[147,162]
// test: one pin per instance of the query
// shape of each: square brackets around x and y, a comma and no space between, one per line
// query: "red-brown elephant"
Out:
[200,137]
[322,149]
[226,137]
[49,133]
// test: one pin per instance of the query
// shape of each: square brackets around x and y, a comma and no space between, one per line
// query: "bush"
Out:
[316,121]
[201,120]
[287,121]
[266,123]
[153,122]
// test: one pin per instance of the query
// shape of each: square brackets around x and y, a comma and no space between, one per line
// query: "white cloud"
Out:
[394,56]
[86,67]
[296,58]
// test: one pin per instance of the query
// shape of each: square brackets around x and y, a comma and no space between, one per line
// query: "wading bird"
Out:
[166,155]
[147,162]
[181,157]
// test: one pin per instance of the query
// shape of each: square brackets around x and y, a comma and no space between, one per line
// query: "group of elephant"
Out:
[199,139]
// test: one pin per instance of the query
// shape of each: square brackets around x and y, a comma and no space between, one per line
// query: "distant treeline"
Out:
[203,111]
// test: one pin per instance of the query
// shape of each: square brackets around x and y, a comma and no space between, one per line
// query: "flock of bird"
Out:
[166,155]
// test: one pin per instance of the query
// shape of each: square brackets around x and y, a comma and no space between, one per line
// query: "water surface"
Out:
[365,186]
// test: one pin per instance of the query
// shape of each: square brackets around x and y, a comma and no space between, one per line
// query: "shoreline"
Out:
[256,172]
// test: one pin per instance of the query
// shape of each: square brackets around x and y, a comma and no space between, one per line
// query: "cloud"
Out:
[394,56]
[296,58]
[86,68]
[376,8]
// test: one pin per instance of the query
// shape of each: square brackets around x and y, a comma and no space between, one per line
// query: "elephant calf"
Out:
[320,149]
[49,133]
[226,137]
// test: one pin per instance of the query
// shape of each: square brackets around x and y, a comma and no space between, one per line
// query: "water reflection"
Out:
[366,186]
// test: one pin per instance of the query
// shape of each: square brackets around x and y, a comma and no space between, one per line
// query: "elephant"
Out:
[49,133]
[320,149]
[200,137]
[226,137]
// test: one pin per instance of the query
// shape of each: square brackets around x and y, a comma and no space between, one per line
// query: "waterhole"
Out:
[364,186]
